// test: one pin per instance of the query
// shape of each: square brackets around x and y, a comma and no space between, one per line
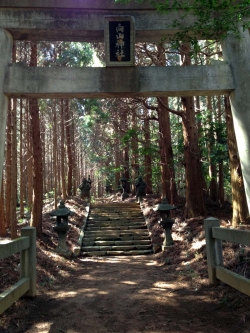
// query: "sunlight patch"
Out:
[43,327]
[163,285]
[152,263]
[5,241]
[103,292]
[197,245]
[128,282]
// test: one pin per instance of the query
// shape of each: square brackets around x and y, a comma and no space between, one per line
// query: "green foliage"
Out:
[131,133]
[213,131]
[213,19]
[76,55]
[68,54]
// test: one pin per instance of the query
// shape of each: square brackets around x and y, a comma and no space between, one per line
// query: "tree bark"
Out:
[221,192]
[37,204]
[29,160]
[8,167]
[134,156]
[195,205]
[21,163]
[212,166]
[3,231]
[55,154]
[169,189]
[63,152]
[148,158]
[69,149]
[13,200]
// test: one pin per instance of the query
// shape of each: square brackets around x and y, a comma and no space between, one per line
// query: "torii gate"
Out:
[83,21]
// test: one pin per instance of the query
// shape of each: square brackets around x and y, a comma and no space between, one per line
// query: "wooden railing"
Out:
[214,236]
[26,245]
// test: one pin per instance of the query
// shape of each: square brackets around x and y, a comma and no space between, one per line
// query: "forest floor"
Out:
[164,292]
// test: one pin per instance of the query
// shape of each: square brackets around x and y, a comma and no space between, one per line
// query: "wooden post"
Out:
[214,249]
[28,260]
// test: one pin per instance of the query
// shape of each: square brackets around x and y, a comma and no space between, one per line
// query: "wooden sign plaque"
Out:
[119,39]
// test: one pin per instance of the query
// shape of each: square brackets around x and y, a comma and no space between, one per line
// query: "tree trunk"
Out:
[21,163]
[221,192]
[73,143]
[148,158]
[69,148]
[169,189]
[211,142]
[3,231]
[125,150]
[63,152]
[55,154]
[37,204]
[29,161]
[134,156]
[126,167]
[8,167]
[195,205]
[239,202]
[13,200]
[117,160]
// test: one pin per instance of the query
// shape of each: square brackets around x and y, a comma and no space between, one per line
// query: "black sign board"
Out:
[119,40]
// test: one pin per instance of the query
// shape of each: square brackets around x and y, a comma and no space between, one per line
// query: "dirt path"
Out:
[126,295]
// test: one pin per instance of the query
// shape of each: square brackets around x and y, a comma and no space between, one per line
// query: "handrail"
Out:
[14,246]
[216,272]
[26,245]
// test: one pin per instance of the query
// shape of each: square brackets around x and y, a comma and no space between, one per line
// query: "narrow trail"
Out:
[126,295]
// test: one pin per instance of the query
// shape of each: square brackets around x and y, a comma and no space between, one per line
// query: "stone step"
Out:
[115,217]
[119,210]
[103,216]
[118,221]
[117,238]
[98,223]
[115,242]
[115,227]
[118,229]
[116,253]
[116,247]
[115,205]
[113,224]
[115,208]
[116,232]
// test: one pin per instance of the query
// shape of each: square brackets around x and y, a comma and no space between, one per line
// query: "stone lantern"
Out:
[166,222]
[61,228]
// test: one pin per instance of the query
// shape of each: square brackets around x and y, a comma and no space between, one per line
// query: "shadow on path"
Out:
[126,295]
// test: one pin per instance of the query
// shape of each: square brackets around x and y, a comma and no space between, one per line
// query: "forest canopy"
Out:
[213,19]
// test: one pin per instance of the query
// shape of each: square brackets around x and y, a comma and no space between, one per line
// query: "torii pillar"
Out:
[6,43]
[236,52]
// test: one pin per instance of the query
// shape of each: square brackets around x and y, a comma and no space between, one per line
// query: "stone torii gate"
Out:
[83,21]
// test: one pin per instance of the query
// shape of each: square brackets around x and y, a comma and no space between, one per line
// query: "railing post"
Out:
[214,249]
[28,260]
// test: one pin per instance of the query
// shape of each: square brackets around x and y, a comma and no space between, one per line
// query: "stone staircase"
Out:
[115,229]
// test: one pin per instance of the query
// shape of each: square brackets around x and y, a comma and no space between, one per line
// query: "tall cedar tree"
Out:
[69,143]
[168,184]
[37,202]
[147,158]
[195,205]
[63,151]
